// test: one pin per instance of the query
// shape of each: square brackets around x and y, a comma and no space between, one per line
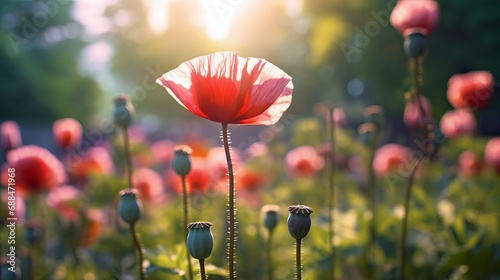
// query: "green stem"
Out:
[298,259]
[186,219]
[269,257]
[231,214]
[371,189]
[139,250]
[404,223]
[331,191]
[202,270]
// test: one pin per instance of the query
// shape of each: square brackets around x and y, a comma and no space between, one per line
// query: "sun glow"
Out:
[220,15]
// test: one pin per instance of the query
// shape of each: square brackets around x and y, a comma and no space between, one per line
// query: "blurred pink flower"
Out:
[10,135]
[391,158]
[411,16]
[149,183]
[471,90]
[470,163]
[457,123]
[163,151]
[94,224]
[492,153]
[229,89]
[96,160]
[36,169]
[65,200]
[216,159]
[339,117]
[256,149]
[67,133]
[303,161]
[413,117]
[250,180]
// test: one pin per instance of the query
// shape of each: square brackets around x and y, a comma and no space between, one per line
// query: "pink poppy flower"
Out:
[229,89]
[471,90]
[36,168]
[10,135]
[415,16]
[339,117]
[391,158]
[413,117]
[149,183]
[457,123]
[163,151]
[492,153]
[96,160]
[65,200]
[303,161]
[67,133]
[470,163]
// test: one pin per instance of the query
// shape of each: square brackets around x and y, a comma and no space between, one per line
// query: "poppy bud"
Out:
[181,162]
[415,45]
[200,240]
[299,220]
[271,216]
[130,207]
[123,112]
[374,114]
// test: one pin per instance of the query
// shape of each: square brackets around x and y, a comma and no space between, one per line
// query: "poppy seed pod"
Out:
[123,112]
[415,45]
[130,207]
[366,132]
[271,216]
[182,162]
[200,240]
[374,114]
[299,220]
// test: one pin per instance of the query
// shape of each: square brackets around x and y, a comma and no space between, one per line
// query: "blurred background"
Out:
[64,58]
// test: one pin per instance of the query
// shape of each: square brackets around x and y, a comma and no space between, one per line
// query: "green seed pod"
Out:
[271,216]
[415,45]
[130,207]
[366,133]
[123,112]
[182,162]
[200,240]
[299,220]
[375,115]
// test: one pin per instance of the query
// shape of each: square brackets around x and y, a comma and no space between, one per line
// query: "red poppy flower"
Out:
[415,118]
[303,161]
[94,224]
[492,153]
[10,135]
[67,133]
[36,168]
[457,123]
[391,158]
[471,90]
[411,16]
[229,89]
[149,183]
[96,160]
[250,180]
[470,163]
[65,200]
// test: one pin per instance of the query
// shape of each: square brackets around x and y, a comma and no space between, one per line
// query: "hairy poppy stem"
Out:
[202,270]
[231,214]
[139,250]
[298,259]
[186,219]
[331,191]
